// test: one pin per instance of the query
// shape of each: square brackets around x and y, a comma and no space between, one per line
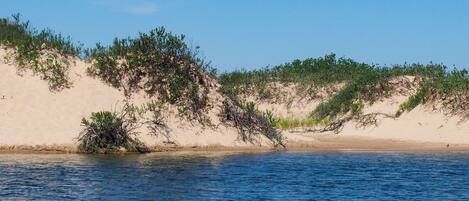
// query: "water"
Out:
[261,176]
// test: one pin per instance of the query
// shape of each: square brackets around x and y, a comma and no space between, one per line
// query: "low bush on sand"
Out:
[107,132]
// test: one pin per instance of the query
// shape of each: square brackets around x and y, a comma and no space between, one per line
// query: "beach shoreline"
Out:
[320,144]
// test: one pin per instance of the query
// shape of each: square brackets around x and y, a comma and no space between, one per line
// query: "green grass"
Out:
[43,52]
[285,124]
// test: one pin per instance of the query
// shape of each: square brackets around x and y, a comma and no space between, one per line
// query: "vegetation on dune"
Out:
[413,101]
[364,84]
[289,123]
[315,71]
[107,132]
[159,63]
[450,87]
[162,65]
[436,81]
[44,52]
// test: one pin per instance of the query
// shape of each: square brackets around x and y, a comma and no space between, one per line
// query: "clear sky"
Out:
[249,34]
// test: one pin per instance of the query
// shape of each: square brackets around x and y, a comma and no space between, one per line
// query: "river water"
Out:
[236,176]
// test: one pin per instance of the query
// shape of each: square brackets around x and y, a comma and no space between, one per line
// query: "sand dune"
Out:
[32,117]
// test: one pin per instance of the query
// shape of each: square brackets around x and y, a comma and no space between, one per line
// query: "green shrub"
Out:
[349,98]
[107,132]
[159,63]
[450,83]
[43,52]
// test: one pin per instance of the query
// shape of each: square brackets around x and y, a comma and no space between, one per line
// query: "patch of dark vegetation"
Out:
[159,63]
[110,132]
[44,52]
[251,124]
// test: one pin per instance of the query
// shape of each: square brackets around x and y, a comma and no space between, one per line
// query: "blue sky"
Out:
[249,34]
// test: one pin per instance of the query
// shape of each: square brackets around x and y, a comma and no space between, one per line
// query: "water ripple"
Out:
[266,176]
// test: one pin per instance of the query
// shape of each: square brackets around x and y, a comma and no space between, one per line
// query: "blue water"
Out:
[261,176]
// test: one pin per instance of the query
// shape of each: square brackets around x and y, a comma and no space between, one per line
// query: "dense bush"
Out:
[107,132]
[159,63]
[44,52]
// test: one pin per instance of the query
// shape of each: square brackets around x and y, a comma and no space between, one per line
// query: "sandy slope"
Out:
[31,115]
